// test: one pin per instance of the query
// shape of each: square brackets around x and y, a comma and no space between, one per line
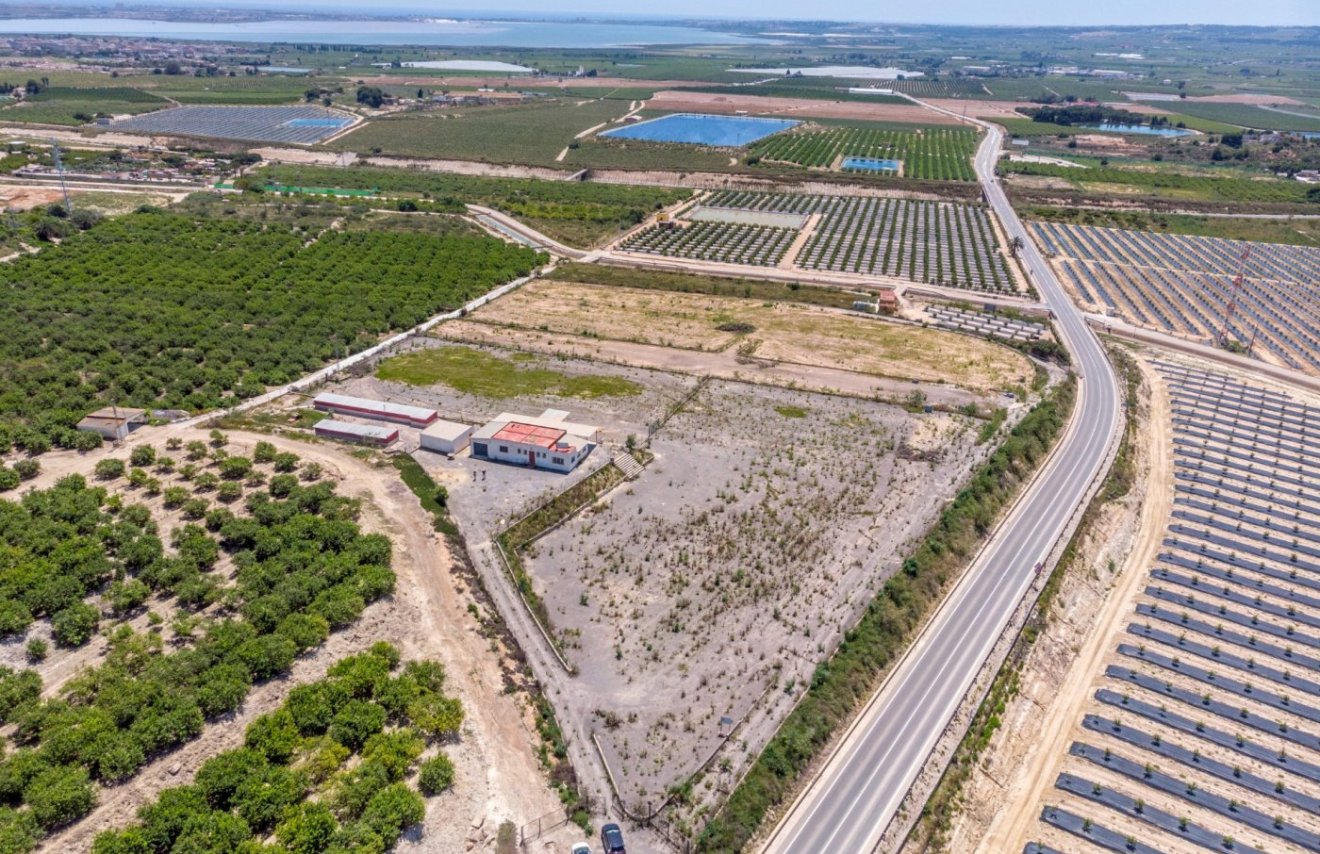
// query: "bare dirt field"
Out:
[781,333]
[499,777]
[706,102]
[26,198]
[708,588]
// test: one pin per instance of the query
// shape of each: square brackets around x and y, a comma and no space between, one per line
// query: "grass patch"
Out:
[688,283]
[790,411]
[848,678]
[433,497]
[487,375]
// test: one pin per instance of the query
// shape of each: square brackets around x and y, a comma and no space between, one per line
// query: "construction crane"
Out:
[59,170]
[1231,311]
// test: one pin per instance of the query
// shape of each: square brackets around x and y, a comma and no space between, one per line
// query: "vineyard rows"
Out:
[936,154]
[935,242]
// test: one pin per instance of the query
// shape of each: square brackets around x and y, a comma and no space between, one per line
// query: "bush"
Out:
[355,722]
[395,751]
[392,810]
[74,625]
[109,469]
[19,831]
[60,795]
[307,829]
[273,735]
[435,775]
[142,456]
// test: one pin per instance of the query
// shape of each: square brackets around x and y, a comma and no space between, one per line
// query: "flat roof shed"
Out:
[362,434]
[446,437]
[113,422]
[401,413]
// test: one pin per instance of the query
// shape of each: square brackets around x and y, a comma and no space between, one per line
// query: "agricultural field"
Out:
[59,105]
[1294,231]
[301,125]
[1201,728]
[1168,184]
[578,213]
[532,134]
[177,311]
[777,332]
[147,610]
[1183,285]
[934,153]
[729,243]
[942,243]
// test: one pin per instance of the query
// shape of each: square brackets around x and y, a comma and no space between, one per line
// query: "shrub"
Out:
[60,795]
[395,751]
[109,469]
[274,735]
[392,810]
[355,722]
[74,625]
[19,831]
[435,775]
[307,829]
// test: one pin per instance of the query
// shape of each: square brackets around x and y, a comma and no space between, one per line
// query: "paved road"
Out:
[848,807]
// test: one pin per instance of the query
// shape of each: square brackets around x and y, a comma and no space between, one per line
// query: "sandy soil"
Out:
[802,335]
[499,776]
[26,198]
[707,102]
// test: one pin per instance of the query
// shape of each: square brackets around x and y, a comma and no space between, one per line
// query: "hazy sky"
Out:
[1066,12]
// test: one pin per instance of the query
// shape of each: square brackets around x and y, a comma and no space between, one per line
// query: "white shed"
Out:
[446,437]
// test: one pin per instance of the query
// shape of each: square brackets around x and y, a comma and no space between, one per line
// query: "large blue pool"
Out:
[702,129]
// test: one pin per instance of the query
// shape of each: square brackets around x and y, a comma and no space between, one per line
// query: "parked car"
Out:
[580,848]
[611,839]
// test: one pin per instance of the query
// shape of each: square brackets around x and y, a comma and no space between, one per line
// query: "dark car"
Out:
[611,839]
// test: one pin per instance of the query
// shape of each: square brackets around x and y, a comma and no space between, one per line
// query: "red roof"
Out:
[529,434]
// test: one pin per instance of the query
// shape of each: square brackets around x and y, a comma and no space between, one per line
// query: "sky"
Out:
[1001,12]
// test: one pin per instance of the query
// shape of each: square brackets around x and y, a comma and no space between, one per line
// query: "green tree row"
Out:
[326,772]
[161,310]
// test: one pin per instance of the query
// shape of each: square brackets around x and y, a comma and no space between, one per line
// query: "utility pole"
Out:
[59,170]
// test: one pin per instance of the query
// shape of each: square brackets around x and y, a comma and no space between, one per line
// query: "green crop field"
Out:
[578,213]
[1248,116]
[163,310]
[533,133]
[1170,184]
[71,106]
[932,153]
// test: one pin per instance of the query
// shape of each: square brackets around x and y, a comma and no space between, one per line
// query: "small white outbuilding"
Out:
[446,437]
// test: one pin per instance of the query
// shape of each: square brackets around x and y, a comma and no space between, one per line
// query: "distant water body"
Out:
[530,34]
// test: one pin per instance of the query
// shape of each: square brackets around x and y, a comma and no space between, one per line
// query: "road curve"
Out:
[859,790]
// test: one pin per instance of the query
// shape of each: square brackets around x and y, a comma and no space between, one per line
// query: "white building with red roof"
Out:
[548,441]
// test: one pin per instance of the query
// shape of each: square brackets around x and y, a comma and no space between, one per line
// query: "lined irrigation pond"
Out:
[1145,130]
[869,164]
[702,129]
